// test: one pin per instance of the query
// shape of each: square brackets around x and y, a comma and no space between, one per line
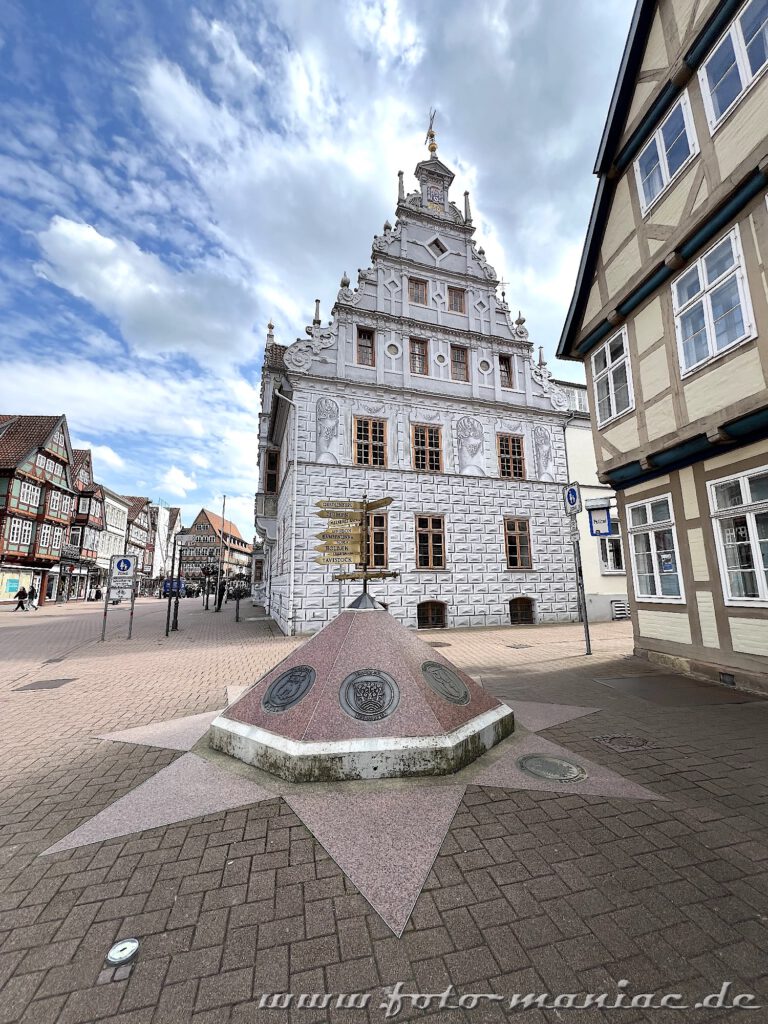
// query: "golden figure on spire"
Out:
[430,139]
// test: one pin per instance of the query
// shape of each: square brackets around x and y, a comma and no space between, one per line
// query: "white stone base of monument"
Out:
[378,758]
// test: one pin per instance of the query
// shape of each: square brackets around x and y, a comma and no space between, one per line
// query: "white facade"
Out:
[424,348]
[112,537]
[161,552]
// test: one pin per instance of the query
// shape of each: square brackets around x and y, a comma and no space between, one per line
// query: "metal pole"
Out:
[365,542]
[580,584]
[237,606]
[133,601]
[170,589]
[175,623]
[216,603]
[106,603]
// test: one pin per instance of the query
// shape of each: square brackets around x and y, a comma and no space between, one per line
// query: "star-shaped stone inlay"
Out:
[383,835]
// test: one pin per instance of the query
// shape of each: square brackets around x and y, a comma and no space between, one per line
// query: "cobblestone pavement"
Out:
[532,892]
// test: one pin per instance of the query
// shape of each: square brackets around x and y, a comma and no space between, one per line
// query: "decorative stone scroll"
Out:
[470,436]
[327,427]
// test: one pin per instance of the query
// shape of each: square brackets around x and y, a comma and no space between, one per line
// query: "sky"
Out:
[174,174]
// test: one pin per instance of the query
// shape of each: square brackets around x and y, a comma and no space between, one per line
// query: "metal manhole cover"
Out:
[519,647]
[369,695]
[46,684]
[625,744]
[554,769]
[445,682]
[288,689]
[438,643]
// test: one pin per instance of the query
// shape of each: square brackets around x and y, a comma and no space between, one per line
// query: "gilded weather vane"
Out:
[429,141]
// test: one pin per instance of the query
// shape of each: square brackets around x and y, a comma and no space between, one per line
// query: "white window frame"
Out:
[40,461]
[58,534]
[608,371]
[66,504]
[50,465]
[615,538]
[658,138]
[29,494]
[14,533]
[748,79]
[83,505]
[44,540]
[749,509]
[742,285]
[54,501]
[26,531]
[653,527]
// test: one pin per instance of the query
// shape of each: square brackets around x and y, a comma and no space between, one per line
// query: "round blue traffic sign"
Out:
[124,564]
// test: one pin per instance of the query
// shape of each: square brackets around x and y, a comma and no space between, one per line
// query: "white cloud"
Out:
[199,460]
[102,453]
[176,482]
[201,312]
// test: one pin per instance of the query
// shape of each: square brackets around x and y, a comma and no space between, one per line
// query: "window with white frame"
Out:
[84,504]
[611,554]
[58,534]
[26,531]
[54,500]
[612,378]
[672,145]
[14,535]
[29,494]
[44,539]
[50,465]
[736,62]
[739,507]
[40,461]
[653,547]
[711,304]
[66,504]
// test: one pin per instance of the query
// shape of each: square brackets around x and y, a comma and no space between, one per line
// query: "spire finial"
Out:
[400,187]
[270,334]
[316,320]
[467,210]
[430,139]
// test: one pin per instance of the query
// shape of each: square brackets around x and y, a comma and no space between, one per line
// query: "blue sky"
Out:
[173,174]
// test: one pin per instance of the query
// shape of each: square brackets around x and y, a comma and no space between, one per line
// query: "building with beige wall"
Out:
[670,318]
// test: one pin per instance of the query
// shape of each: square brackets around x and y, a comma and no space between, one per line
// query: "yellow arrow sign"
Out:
[342,503]
[341,535]
[381,503]
[329,559]
[342,515]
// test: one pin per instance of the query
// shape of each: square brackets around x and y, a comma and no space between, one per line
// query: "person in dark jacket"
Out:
[220,594]
[21,597]
[33,597]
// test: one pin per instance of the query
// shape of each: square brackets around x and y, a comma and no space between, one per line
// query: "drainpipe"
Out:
[292,585]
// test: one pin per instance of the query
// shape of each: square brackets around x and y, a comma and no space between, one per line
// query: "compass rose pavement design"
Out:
[384,835]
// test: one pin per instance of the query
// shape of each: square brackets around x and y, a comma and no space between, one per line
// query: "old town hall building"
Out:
[421,388]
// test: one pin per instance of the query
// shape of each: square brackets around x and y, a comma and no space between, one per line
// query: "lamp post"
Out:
[291,587]
[216,602]
[170,589]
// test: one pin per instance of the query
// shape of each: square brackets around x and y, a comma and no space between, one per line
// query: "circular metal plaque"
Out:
[554,769]
[369,695]
[288,689]
[445,682]
[122,951]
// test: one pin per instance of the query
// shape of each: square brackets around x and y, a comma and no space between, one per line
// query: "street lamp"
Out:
[291,587]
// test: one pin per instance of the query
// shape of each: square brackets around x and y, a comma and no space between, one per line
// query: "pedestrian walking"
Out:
[33,597]
[99,594]
[21,597]
[220,595]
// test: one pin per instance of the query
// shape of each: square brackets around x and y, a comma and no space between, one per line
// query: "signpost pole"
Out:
[170,589]
[133,601]
[580,584]
[106,601]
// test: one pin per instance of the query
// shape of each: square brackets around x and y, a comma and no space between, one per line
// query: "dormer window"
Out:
[366,350]
[417,291]
[438,248]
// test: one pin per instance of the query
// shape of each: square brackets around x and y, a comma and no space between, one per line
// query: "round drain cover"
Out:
[445,682]
[122,951]
[554,769]
[288,689]
[369,695]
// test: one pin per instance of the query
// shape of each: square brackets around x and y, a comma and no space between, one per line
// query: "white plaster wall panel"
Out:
[621,223]
[654,374]
[649,485]
[707,619]
[594,303]
[731,460]
[673,626]
[701,195]
[655,245]
[655,56]
[749,636]
[688,489]
[660,418]
[643,92]
[649,325]
[683,10]
[739,134]
[624,435]
[623,266]
[724,384]
[669,211]
[698,555]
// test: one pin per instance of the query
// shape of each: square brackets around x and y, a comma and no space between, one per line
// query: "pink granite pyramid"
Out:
[365,698]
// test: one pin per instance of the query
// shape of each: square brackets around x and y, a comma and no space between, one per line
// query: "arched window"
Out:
[430,615]
[521,611]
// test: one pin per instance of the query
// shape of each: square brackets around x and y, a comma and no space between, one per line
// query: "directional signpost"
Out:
[344,537]
[122,572]
[572,502]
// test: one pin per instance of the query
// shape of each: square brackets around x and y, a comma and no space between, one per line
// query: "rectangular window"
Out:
[54,500]
[456,300]
[612,379]
[75,535]
[84,505]
[419,356]
[377,540]
[711,304]
[511,456]
[271,476]
[26,531]
[459,363]
[427,448]
[370,442]
[738,59]
[29,494]
[611,554]
[44,538]
[366,349]
[66,504]
[58,533]
[40,461]
[653,548]
[740,518]
[430,542]
[505,372]
[50,465]
[417,291]
[518,541]
[669,150]
[15,533]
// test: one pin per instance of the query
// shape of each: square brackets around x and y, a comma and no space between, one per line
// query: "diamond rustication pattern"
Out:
[288,689]
[445,682]
[556,769]
[369,695]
